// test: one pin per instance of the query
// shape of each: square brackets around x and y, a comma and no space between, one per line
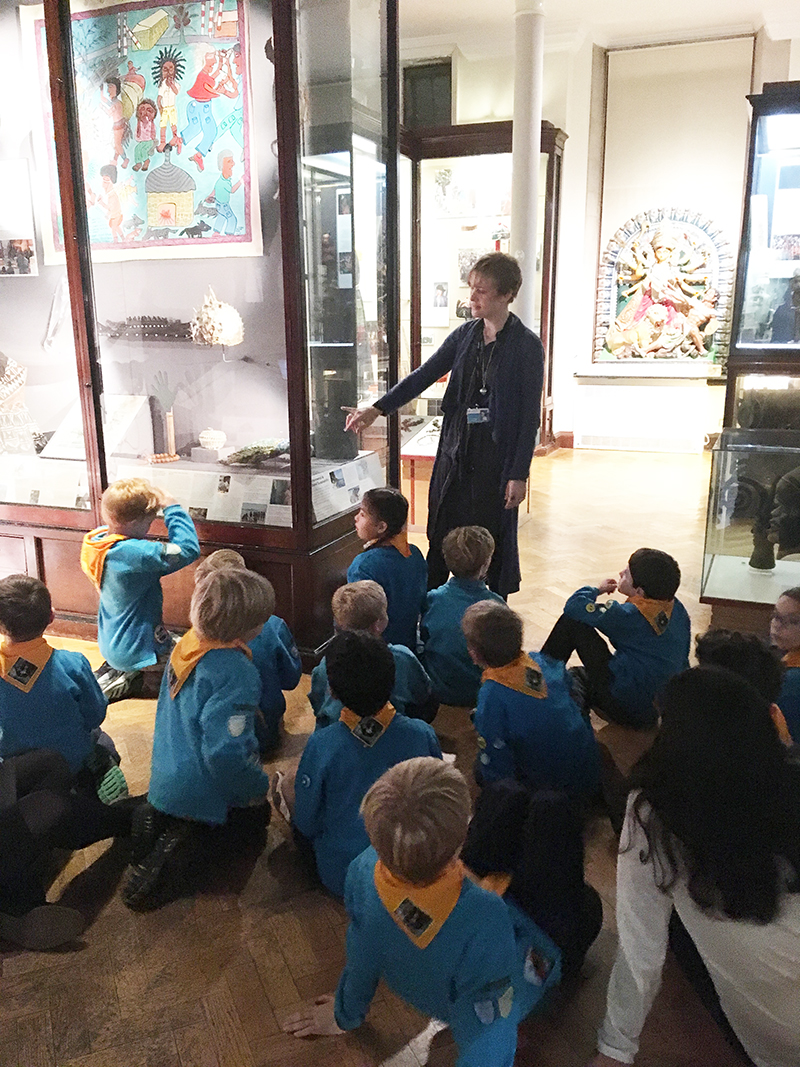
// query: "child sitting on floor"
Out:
[389,559]
[340,763]
[650,633]
[784,631]
[274,654]
[362,606]
[49,698]
[126,569]
[452,949]
[205,753]
[456,679]
[529,727]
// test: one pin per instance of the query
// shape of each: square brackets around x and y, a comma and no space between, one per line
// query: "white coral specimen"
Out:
[217,323]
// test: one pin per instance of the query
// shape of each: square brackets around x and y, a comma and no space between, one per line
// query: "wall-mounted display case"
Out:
[204,196]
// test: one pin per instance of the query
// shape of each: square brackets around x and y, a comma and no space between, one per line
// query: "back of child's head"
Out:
[25,607]
[743,654]
[359,605]
[656,572]
[215,561]
[468,551]
[229,604]
[416,816]
[493,631]
[387,505]
[793,594]
[129,500]
[360,671]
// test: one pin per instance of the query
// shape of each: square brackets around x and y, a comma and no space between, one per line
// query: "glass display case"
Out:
[205,198]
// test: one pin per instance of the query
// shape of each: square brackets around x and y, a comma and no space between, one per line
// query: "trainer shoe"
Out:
[42,928]
[112,786]
[119,685]
[144,876]
[145,827]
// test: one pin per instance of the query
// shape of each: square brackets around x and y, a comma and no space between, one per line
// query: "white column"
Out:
[528,69]
[794,60]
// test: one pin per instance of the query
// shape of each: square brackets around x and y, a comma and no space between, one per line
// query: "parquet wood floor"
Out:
[206,982]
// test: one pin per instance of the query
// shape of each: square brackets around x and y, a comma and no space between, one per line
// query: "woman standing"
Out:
[491,412]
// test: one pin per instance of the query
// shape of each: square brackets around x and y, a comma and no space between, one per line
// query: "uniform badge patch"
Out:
[413,918]
[533,679]
[367,731]
[22,671]
[662,621]
[236,725]
[591,607]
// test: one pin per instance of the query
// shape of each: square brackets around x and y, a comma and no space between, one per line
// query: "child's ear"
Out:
[381,527]
[473,655]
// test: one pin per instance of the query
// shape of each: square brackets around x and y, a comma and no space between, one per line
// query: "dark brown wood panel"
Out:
[69,587]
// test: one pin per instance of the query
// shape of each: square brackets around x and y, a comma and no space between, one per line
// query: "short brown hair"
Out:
[468,550]
[25,607]
[223,557]
[416,816]
[501,269]
[359,605]
[229,603]
[494,631]
[130,499]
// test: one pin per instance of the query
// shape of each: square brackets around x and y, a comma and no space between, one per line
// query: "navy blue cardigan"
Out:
[514,415]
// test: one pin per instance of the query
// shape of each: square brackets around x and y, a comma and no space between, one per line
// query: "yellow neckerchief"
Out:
[187,654]
[420,910]
[780,724]
[93,553]
[22,662]
[399,541]
[523,675]
[367,728]
[792,659]
[494,882]
[657,612]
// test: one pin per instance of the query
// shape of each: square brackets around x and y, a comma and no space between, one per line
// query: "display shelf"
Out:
[731,578]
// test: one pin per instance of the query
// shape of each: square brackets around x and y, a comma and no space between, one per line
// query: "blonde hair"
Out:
[493,631]
[416,816]
[359,605]
[223,557]
[130,499]
[229,603]
[468,550]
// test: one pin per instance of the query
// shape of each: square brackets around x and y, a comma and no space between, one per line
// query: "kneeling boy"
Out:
[453,950]
[340,763]
[205,753]
[650,632]
[528,725]
[363,606]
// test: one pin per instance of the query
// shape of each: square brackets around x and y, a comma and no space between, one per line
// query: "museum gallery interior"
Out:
[223,221]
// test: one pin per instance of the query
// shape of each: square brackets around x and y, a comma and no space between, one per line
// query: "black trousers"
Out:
[568,636]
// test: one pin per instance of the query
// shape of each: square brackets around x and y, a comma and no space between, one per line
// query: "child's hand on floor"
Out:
[315,1020]
[608,585]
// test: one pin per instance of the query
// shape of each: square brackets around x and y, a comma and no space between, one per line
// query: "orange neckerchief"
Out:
[792,659]
[523,675]
[187,654]
[367,728]
[399,541]
[93,553]
[780,724]
[657,612]
[21,663]
[420,910]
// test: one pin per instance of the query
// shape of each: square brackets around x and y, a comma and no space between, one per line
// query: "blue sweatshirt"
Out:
[643,660]
[60,711]
[411,687]
[472,975]
[336,771]
[789,701]
[454,677]
[205,753]
[541,740]
[276,657]
[131,600]
[404,580]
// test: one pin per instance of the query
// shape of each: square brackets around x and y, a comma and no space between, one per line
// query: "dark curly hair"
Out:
[744,654]
[719,800]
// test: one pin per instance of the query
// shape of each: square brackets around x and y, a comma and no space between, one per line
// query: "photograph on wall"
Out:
[17,244]
[435,308]
[164,109]
[665,287]
[467,258]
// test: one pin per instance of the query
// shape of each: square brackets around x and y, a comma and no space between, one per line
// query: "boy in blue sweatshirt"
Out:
[340,763]
[449,947]
[205,753]
[455,678]
[650,632]
[274,654]
[126,569]
[49,698]
[528,725]
[362,606]
[393,563]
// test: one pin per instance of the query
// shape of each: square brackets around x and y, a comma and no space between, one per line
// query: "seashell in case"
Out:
[213,439]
